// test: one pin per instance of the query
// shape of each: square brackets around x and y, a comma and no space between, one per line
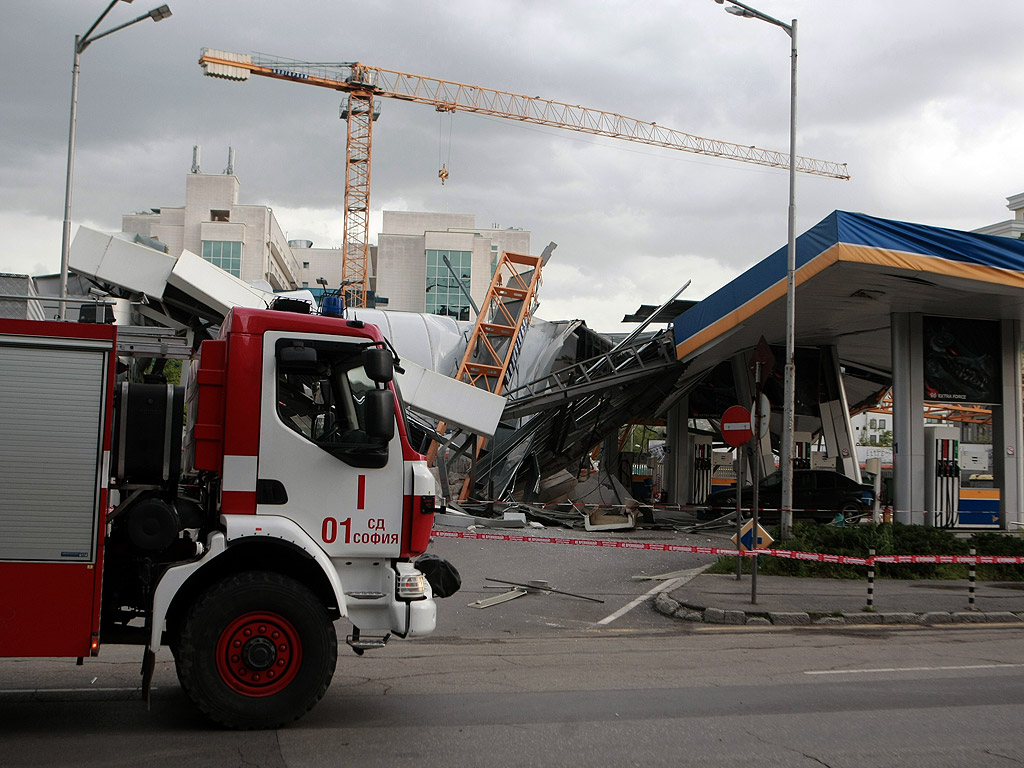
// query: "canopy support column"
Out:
[677,468]
[1007,461]
[908,417]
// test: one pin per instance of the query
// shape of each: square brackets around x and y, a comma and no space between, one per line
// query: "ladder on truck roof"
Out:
[152,341]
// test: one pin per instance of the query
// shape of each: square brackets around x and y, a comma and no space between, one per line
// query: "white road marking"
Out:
[889,670]
[666,586]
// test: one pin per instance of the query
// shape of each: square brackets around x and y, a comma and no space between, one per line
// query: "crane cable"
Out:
[443,162]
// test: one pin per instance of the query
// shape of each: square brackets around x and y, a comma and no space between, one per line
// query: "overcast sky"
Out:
[923,99]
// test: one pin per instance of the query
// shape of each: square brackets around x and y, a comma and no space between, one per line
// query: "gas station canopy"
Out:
[852,272]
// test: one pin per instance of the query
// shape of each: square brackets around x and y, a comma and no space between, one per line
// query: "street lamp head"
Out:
[158,14]
[735,10]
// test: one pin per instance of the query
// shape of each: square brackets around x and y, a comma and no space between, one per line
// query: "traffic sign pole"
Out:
[757,478]
[741,475]
[737,432]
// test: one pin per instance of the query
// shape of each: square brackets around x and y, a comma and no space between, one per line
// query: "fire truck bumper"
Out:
[422,617]
[402,618]
[405,607]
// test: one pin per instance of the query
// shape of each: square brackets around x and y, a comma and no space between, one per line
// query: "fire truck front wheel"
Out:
[257,650]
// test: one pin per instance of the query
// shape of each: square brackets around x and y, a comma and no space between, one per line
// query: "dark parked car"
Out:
[818,494]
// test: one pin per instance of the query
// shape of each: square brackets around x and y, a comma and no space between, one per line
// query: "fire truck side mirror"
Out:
[380,414]
[378,364]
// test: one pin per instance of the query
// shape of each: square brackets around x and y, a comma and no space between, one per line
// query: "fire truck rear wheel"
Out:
[257,650]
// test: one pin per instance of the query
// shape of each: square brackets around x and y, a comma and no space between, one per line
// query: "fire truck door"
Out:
[318,463]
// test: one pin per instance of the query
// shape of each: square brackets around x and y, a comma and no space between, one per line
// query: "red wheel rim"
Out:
[258,654]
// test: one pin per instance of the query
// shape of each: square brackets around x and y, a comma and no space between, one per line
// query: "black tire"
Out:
[257,650]
[851,512]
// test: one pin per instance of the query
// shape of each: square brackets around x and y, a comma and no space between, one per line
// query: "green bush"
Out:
[886,539]
[1000,545]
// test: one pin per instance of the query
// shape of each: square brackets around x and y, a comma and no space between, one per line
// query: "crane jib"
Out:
[365,83]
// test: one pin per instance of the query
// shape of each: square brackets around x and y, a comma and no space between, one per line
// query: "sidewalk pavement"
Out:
[722,599]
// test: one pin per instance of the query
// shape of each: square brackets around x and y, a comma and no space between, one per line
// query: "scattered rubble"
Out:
[534,586]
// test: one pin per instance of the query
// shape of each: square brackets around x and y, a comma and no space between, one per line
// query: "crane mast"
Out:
[364,84]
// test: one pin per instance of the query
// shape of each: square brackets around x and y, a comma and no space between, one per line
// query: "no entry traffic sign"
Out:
[736,428]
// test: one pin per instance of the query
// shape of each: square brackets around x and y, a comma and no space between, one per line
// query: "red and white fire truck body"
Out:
[294,499]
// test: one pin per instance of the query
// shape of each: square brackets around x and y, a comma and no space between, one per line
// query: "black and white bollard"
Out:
[871,580]
[970,583]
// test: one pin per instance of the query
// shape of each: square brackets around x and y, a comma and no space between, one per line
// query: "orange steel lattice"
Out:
[355,266]
[493,350]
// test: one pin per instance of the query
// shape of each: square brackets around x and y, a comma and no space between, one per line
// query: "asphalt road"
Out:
[539,681]
[616,577]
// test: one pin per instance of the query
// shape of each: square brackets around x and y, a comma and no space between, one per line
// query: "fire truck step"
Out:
[360,644]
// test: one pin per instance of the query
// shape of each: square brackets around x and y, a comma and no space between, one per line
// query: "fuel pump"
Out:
[700,468]
[801,450]
[942,476]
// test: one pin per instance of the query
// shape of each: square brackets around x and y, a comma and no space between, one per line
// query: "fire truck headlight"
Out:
[412,586]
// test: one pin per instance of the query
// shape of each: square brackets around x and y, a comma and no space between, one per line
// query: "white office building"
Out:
[245,240]
[407,270]
[1012,227]
[411,251]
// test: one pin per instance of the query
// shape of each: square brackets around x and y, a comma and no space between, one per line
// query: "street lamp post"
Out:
[81,43]
[788,417]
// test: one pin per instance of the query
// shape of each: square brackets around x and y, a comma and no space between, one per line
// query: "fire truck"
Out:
[232,520]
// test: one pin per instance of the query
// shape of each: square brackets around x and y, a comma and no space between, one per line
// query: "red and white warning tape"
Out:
[820,557]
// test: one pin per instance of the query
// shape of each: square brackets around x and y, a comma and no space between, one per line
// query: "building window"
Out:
[873,424]
[881,423]
[220,215]
[226,254]
[443,296]
[305,265]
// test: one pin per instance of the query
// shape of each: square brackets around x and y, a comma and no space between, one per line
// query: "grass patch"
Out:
[886,539]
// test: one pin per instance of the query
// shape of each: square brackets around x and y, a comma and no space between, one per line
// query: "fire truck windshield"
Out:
[324,399]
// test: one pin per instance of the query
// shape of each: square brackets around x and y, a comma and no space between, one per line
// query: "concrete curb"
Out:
[668,606]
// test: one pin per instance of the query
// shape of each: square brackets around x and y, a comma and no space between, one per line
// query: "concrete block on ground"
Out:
[936,617]
[862,617]
[830,621]
[968,617]
[666,605]
[791,618]
[1001,616]
[714,615]
[758,621]
[721,616]
[899,618]
[687,614]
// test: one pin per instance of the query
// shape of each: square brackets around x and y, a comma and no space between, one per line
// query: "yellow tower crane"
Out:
[364,84]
